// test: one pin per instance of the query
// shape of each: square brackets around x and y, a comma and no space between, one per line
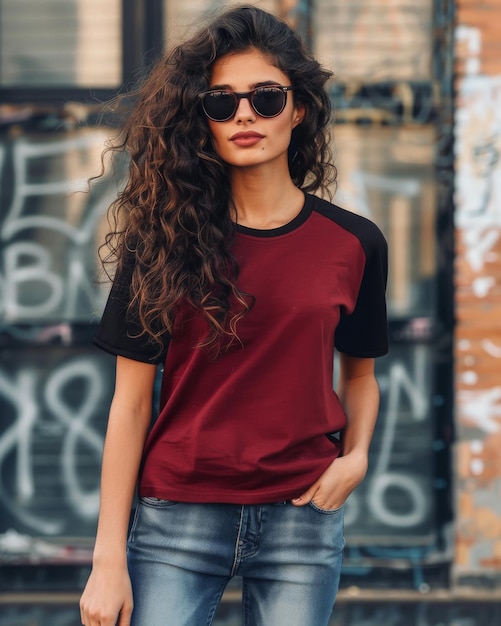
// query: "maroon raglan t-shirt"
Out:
[251,425]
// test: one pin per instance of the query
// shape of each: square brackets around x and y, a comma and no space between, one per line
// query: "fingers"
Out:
[103,618]
[125,615]
[306,497]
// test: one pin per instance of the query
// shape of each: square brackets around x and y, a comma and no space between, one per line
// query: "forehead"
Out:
[243,70]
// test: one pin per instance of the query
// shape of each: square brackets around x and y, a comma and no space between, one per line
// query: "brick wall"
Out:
[478,290]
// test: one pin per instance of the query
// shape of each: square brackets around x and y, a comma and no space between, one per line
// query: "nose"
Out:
[245,110]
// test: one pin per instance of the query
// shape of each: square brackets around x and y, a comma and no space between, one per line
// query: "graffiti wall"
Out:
[51,225]
[54,387]
[478,296]
[53,403]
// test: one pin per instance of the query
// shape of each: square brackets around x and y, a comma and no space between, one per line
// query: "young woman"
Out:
[241,283]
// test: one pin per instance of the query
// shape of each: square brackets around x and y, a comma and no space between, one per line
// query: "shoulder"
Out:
[365,230]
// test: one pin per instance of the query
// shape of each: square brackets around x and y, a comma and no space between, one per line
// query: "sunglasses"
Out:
[220,105]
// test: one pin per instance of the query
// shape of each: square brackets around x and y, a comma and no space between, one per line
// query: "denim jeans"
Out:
[181,557]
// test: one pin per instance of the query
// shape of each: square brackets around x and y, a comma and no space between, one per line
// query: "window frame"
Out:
[141,45]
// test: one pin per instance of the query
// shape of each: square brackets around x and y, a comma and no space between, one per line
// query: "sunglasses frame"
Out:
[239,95]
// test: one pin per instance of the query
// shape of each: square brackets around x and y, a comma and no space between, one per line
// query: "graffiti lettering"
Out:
[58,418]
[400,382]
[400,385]
[77,431]
[32,290]
[24,151]
[36,284]
[18,273]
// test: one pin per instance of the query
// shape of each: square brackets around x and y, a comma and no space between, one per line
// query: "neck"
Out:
[262,199]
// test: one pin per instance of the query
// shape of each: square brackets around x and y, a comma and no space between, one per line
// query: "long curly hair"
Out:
[173,214]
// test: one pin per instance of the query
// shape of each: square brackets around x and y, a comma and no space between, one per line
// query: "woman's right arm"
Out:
[107,597]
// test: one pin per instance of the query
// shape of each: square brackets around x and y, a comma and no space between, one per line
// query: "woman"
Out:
[240,282]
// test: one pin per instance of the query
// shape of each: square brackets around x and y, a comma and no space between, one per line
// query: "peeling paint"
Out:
[481,409]
[491,348]
[478,306]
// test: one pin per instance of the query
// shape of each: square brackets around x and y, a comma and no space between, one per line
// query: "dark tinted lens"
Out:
[268,101]
[219,105]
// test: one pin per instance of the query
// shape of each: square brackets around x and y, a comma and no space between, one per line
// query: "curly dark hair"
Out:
[173,214]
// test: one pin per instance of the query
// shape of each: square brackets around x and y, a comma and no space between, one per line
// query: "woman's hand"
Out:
[359,395]
[107,598]
[334,486]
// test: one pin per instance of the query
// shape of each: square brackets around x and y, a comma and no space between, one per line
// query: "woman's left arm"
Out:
[358,392]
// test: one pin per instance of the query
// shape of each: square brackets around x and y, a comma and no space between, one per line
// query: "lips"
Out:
[246,135]
[246,138]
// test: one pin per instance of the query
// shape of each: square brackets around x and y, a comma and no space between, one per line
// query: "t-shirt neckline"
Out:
[295,223]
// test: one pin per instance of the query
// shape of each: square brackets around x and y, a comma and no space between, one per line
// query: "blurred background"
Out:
[417,94]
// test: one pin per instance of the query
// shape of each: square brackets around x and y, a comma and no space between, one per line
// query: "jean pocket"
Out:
[319,509]
[157,503]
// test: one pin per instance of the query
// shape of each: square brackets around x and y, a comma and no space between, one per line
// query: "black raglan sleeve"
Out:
[364,332]
[119,331]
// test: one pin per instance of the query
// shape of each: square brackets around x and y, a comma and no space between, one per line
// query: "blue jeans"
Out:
[181,557]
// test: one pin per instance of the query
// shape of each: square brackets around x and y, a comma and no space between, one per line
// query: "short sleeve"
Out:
[119,331]
[364,332]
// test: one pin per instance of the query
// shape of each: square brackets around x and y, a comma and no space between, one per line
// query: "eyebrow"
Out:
[263,83]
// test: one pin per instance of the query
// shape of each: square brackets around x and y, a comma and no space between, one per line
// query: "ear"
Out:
[299,113]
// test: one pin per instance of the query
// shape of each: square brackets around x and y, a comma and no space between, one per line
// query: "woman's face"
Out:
[249,140]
